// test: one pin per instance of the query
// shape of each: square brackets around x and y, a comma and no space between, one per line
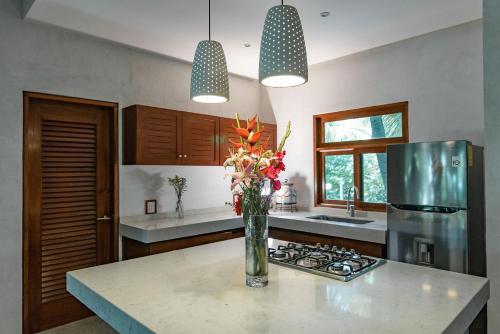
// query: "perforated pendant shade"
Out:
[283,58]
[209,79]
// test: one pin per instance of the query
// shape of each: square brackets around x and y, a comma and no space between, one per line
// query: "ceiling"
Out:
[174,27]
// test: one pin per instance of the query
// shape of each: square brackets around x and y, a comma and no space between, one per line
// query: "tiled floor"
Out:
[92,325]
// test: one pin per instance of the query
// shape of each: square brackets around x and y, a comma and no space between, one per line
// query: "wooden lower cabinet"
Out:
[363,247]
[133,248]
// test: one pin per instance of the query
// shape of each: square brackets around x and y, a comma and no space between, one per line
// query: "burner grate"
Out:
[323,260]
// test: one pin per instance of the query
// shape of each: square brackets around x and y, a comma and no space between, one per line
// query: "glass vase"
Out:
[256,231]
[179,209]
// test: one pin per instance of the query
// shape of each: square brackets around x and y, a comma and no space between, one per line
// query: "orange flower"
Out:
[235,144]
[251,123]
[253,149]
[254,137]
[244,133]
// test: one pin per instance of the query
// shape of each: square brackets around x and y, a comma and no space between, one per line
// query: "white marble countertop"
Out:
[202,290]
[161,228]
[374,231]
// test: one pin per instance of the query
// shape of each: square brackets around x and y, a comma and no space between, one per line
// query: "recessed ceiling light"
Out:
[247,45]
[324,14]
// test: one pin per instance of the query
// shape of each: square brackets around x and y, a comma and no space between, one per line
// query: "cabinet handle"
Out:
[180,155]
[185,156]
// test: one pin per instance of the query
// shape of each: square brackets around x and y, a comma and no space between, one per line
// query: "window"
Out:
[350,150]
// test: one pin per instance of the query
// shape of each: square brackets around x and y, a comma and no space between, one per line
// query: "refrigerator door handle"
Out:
[425,208]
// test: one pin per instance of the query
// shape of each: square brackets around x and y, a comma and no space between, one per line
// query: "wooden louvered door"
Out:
[200,139]
[69,203]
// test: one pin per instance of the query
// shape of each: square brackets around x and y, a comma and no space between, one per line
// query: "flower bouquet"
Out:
[254,179]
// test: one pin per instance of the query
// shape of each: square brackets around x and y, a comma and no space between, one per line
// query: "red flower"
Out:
[276,185]
[280,166]
[280,155]
[272,172]
[237,204]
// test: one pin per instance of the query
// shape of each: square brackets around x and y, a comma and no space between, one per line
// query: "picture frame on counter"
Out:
[150,207]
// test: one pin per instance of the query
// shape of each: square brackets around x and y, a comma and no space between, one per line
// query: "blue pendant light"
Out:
[283,58]
[209,79]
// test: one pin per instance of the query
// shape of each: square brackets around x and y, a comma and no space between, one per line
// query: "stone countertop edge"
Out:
[133,295]
[465,318]
[163,229]
[104,309]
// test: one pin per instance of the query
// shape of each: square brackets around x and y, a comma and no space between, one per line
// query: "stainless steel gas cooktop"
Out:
[326,260]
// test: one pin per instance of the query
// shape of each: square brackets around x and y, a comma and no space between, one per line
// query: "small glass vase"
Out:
[256,231]
[179,209]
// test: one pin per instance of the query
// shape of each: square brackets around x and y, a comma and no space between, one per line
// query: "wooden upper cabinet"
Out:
[268,138]
[152,136]
[157,136]
[200,139]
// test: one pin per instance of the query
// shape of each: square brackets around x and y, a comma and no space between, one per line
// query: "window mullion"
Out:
[357,175]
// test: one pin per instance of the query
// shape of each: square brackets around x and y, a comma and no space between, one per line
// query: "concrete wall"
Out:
[440,74]
[491,10]
[37,57]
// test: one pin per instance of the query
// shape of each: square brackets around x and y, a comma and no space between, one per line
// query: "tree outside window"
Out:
[351,147]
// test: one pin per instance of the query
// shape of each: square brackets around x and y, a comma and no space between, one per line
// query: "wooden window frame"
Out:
[355,148]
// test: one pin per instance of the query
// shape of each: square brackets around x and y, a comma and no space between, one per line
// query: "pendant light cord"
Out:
[282,2]
[209,22]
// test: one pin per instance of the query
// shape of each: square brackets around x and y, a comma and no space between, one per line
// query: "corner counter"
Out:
[148,235]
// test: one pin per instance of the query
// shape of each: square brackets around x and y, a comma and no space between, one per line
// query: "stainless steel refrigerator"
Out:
[435,212]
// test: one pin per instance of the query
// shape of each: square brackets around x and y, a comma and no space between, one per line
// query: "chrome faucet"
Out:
[351,209]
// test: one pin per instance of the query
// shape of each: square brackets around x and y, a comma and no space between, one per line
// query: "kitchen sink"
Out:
[341,219]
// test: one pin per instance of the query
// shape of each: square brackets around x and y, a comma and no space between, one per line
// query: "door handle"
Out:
[103,218]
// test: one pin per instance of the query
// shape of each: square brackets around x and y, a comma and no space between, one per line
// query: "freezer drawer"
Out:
[432,239]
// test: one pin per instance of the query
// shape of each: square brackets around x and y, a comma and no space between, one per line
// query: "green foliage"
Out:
[339,176]
[339,169]
[364,128]
[374,184]
[179,184]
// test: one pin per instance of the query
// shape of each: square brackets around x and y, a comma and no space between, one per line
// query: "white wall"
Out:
[440,74]
[492,153]
[37,57]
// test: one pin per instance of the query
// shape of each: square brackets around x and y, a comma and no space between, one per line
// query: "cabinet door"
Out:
[158,136]
[227,133]
[268,138]
[200,139]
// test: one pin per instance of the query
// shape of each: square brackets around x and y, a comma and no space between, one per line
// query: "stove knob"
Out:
[326,246]
[334,248]
[318,245]
[352,251]
[343,249]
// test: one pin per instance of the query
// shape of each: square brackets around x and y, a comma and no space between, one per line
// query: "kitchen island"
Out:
[202,290]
